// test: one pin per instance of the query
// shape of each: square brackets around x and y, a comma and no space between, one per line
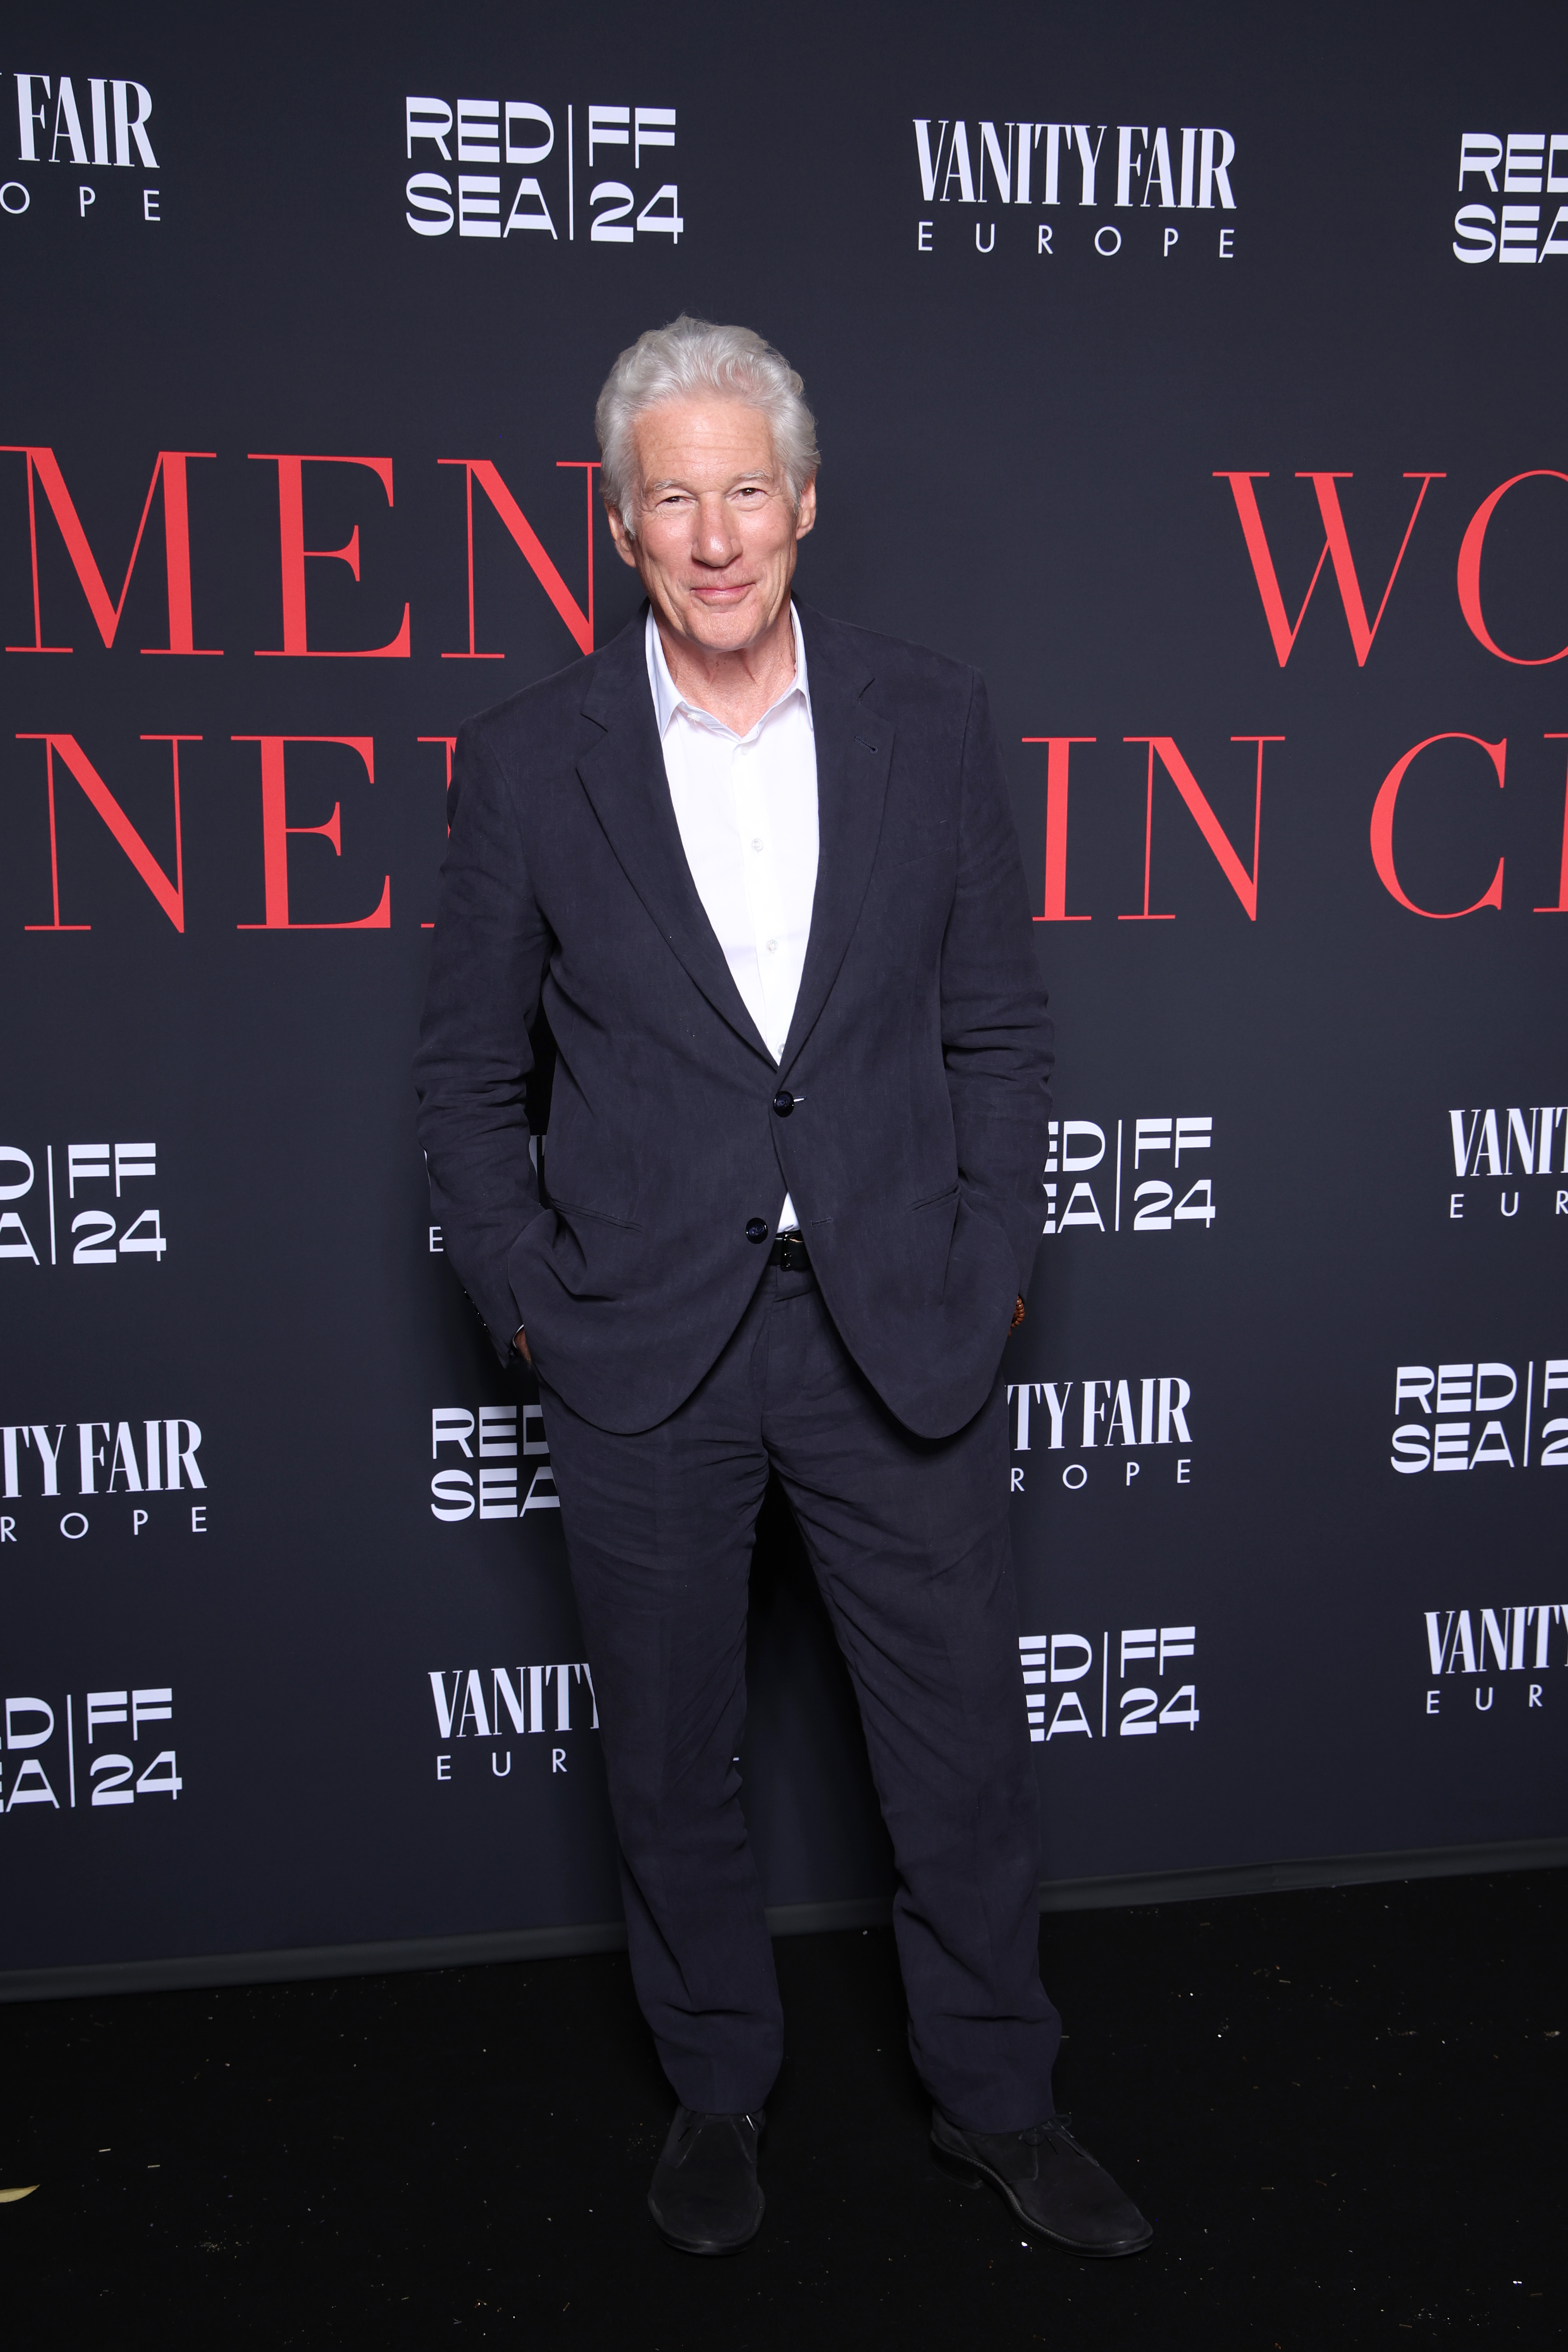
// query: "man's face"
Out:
[715,545]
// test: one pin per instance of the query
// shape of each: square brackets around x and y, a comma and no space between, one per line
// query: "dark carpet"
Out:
[1343,2111]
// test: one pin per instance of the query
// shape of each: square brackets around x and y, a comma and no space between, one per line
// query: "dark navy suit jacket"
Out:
[918,1055]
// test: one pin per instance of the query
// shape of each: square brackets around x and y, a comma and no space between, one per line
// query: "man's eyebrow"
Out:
[761,474]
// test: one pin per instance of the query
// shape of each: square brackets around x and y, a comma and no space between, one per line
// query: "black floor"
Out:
[1343,2112]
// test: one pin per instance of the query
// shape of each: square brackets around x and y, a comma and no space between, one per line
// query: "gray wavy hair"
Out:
[689,356]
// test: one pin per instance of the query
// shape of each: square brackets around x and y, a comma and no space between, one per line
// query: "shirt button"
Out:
[772,946]
[757,845]
[756,1230]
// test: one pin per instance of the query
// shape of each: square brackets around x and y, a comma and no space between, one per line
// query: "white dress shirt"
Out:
[746,807]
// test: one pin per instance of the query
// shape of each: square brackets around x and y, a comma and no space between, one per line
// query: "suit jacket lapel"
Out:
[622,771]
[854,743]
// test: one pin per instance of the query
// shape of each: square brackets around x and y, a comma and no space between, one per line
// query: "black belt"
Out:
[790,1254]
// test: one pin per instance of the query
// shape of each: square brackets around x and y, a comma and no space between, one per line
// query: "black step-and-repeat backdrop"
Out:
[1202,384]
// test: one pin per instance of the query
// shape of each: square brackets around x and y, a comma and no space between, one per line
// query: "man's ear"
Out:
[625,545]
[805,519]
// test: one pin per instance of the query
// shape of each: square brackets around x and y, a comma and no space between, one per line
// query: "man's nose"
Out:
[717,540]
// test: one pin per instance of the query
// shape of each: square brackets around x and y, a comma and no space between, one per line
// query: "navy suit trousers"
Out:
[908,1537]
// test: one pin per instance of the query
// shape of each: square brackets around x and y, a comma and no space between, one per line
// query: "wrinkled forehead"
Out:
[703,442]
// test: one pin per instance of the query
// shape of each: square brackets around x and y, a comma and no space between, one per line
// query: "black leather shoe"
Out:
[1053,2185]
[704,2198]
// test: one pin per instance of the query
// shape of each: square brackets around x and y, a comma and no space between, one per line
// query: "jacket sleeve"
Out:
[997,1040]
[491,947]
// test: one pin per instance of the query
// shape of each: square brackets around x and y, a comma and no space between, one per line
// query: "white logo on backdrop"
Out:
[1506,1145]
[1059,1675]
[552,171]
[1488,1644]
[1087,1189]
[71,1230]
[1184,169]
[1528,163]
[497,1703]
[106,125]
[111,1461]
[1480,1415]
[60,1758]
[1080,1416]
[490,1433]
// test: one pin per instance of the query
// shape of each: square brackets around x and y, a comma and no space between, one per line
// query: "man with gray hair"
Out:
[757,871]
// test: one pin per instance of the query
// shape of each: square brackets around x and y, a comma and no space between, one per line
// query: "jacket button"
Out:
[755,1230]
[784,1104]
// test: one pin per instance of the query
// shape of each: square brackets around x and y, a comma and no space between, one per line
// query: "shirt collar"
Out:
[668,697]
